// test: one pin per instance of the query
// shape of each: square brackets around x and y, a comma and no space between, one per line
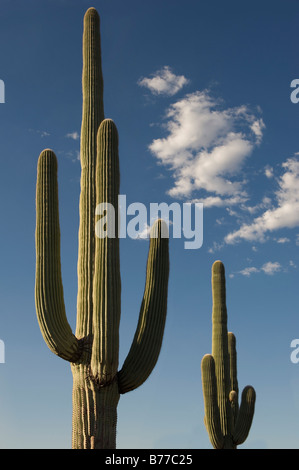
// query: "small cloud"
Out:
[40,133]
[73,155]
[231,212]
[249,271]
[216,247]
[145,233]
[164,82]
[160,176]
[73,135]
[271,268]
[44,134]
[257,127]
[283,240]
[268,268]
[266,202]
[269,171]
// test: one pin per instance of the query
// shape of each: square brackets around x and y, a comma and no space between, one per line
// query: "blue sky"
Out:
[200,93]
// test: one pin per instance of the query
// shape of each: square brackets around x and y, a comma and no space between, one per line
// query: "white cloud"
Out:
[283,240]
[44,134]
[145,233]
[271,268]
[249,271]
[219,201]
[215,247]
[206,148]
[269,171]
[266,202]
[284,215]
[164,82]
[73,155]
[73,135]
[257,127]
[41,133]
[268,268]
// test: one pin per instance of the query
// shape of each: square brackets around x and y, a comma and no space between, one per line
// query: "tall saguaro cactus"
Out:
[93,349]
[227,424]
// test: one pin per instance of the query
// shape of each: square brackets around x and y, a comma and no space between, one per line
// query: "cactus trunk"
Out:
[93,350]
[94,413]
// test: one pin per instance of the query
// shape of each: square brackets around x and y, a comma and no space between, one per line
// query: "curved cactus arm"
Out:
[106,295]
[147,341]
[92,115]
[212,416]
[245,415]
[232,352]
[49,299]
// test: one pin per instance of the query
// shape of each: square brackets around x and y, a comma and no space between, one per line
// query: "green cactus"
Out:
[94,348]
[227,424]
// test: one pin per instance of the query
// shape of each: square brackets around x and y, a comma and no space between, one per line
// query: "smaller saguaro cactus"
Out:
[228,425]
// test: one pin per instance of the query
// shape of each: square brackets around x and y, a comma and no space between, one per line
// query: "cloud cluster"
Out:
[73,135]
[270,268]
[285,213]
[206,148]
[164,82]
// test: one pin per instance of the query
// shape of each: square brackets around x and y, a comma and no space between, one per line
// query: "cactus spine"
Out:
[227,424]
[93,349]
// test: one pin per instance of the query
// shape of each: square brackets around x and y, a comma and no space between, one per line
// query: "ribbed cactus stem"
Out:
[212,415]
[93,350]
[94,413]
[107,295]
[234,393]
[245,415]
[92,116]
[147,341]
[48,288]
[220,344]
[226,423]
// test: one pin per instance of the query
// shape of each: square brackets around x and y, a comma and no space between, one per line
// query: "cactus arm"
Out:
[92,115]
[212,416]
[49,299]
[147,341]
[245,415]
[220,344]
[232,352]
[106,295]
